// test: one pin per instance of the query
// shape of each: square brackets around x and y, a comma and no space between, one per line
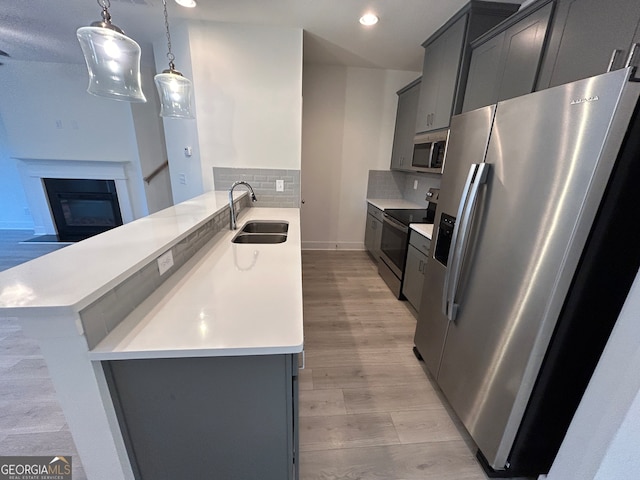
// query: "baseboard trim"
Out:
[357,246]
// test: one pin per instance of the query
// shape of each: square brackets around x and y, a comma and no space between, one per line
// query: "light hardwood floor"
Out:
[367,408]
[31,420]
[13,253]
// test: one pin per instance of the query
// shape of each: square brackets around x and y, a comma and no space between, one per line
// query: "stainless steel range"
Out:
[395,240]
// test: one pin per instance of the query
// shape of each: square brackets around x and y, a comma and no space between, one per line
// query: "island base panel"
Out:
[213,417]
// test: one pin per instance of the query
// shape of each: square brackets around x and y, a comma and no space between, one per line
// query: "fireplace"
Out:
[33,171]
[82,208]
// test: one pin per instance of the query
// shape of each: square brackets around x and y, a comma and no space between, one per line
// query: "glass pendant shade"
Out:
[113,61]
[175,94]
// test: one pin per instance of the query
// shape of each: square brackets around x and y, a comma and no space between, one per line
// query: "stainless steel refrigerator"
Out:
[537,242]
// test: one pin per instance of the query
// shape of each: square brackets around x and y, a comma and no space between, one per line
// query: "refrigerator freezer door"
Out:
[468,138]
[541,197]
[467,144]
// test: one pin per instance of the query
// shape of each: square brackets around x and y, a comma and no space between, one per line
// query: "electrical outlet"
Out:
[182,178]
[165,262]
[279,185]
[415,184]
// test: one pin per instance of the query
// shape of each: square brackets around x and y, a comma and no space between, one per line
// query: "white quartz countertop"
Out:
[229,299]
[424,229]
[386,203]
[69,279]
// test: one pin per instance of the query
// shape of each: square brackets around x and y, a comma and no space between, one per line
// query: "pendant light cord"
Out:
[170,55]
[105,5]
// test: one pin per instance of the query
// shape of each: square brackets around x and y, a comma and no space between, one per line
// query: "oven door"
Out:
[394,242]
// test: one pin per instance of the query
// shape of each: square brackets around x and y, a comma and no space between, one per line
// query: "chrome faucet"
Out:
[232,210]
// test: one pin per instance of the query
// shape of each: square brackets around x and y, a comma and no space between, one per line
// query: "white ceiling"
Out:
[44,30]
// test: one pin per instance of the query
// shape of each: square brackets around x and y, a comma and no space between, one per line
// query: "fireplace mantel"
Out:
[33,170]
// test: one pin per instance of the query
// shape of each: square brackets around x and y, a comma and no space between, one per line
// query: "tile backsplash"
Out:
[425,182]
[399,185]
[263,182]
[385,184]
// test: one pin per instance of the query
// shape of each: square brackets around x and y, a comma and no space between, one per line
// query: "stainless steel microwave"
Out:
[429,151]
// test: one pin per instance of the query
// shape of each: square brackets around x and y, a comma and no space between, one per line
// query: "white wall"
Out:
[248,100]
[348,122]
[48,114]
[150,140]
[249,94]
[603,438]
[14,209]
[187,180]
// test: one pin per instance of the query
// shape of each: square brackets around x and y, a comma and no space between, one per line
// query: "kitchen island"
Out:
[216,334]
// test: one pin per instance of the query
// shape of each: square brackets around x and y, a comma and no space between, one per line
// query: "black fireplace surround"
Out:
[82,208]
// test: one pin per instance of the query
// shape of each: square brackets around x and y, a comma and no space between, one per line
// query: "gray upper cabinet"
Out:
[505,62]
[484,74]
[440,72]
[585,34]
[402,151]
[446,62]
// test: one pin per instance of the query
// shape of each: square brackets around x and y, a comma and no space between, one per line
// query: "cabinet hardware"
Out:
[614,57]
[632,53]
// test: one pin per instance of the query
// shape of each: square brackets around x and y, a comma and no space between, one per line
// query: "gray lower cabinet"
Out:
[505,61]
[417,254]
[373,232]
[231,418]
[446,62]
[402,152]
[584,36]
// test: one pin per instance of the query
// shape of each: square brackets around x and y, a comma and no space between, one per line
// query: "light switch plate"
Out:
[279,185]
[415,184]
[165,262]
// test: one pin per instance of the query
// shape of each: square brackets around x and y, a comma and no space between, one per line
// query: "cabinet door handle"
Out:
[420,265]
[614,57]
[632,53]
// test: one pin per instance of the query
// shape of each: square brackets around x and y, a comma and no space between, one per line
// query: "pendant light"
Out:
[173,88]
[113,59]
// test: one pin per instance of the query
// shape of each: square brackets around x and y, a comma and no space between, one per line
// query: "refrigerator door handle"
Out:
[461,237]
[454,239]
[632,54]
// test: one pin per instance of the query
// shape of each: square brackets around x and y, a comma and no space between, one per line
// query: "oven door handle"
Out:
[395,224]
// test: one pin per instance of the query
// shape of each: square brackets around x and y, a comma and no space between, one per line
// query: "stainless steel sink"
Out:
[265,226]
[259,238]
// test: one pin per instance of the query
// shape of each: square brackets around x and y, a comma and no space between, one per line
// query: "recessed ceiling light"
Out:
[368,19]
[187,3]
